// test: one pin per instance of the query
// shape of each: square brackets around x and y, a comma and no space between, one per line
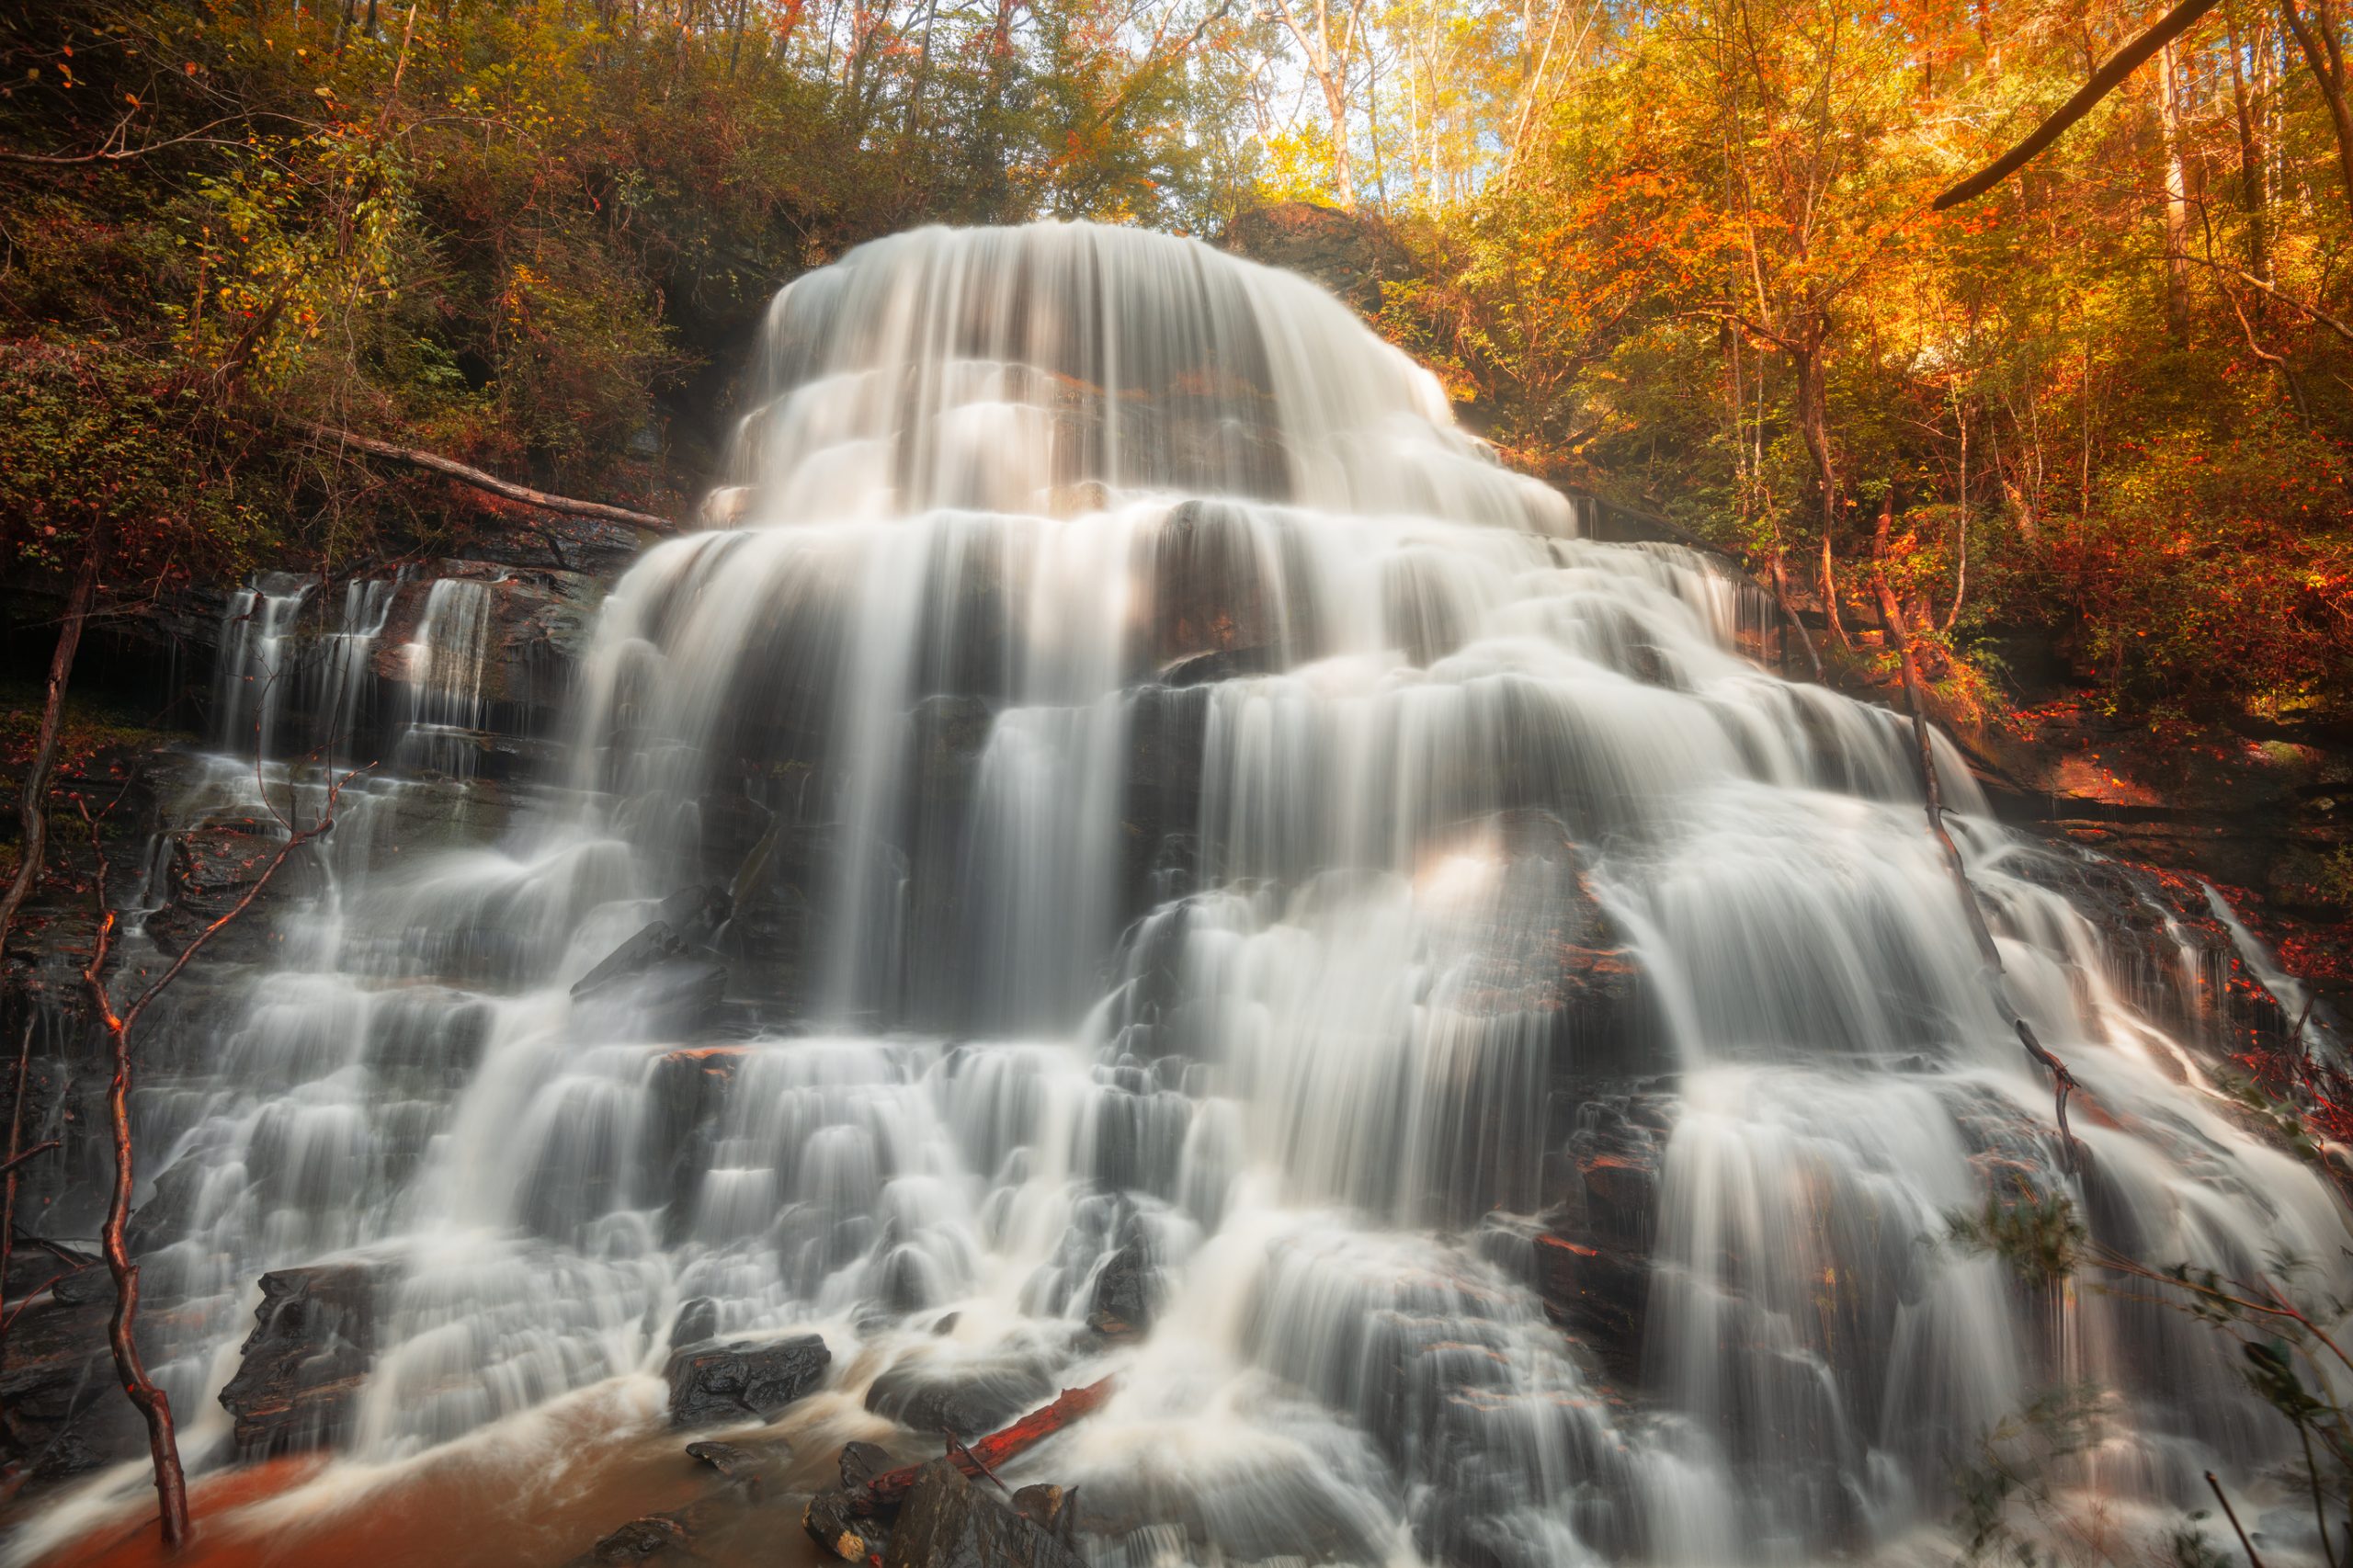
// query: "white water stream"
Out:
[1256,963]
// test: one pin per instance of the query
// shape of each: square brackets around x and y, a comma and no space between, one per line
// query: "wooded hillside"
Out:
[1683,255]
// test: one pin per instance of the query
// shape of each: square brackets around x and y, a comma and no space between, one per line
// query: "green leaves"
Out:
[2037,1235]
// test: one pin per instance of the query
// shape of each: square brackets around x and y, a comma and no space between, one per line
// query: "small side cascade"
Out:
[282,691]
[255,681]
[347,672]
[440,730]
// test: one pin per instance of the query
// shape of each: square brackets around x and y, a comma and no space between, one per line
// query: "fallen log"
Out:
[890,1488]
[450,468]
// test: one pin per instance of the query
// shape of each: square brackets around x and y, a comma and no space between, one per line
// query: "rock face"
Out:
[949,1523]
[61,1413]
[745,1381]
[1592,1262]
[698,1322]
[1211,591]
[539,623]
[660,970]
[1127,1294]
[314,1335]
[2171,956]
[1348,253]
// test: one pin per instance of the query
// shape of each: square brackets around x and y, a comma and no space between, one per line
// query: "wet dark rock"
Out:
[170,1208]
[862,1462]
[1127,1294]
[1209,587]
[1162,804]
[1548,949]
[313,1337]
[656,944]
[1591,1264]
[61,1413]
[1049,1507]
[729,1459]
[427,1028]
[1612,1161]
[1599,1292]
[539,623]
[755,1469]
[743,1380]
[2145,917]
[949,1523]
[696,913]
[697,1323]
[675,983]
[839,1521]
[657,1538]
[969,1401]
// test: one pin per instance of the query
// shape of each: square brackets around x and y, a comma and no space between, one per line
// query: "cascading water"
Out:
[1172,799]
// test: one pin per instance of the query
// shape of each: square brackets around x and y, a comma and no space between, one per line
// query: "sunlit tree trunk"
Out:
[1327,62]
[2252,194]
[2318,35]
[2170,112]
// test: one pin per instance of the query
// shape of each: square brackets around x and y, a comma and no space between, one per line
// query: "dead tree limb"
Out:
[9,1169]
[33,821]
[32,842]
[2062,1083]
[890,1488]
[450,468]
[2105,80]
[2273,291]
[162,1442]
[2233,1515]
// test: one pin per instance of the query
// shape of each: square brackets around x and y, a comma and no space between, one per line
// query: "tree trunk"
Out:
[1814,425]
[130,1367]
[2317,34]
[450,468]
[2169,112]
[1335,103]
[2062,1082]
[2251,184]
[33,789]
[890,1488]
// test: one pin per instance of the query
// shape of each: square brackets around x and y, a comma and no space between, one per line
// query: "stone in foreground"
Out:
[950,1523]
[314,1335]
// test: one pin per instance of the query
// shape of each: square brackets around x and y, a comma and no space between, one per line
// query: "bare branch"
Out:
[2105,80]
[450,468]
[162,1442]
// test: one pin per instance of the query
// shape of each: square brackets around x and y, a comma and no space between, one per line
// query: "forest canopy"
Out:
[1682,254]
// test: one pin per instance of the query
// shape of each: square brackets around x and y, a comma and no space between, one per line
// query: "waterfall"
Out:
[264,671]
[1157,788]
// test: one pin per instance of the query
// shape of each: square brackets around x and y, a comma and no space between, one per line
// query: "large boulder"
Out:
[968,1401]
[313,1338]
[659,974]
[949,1523]
[746,1381]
